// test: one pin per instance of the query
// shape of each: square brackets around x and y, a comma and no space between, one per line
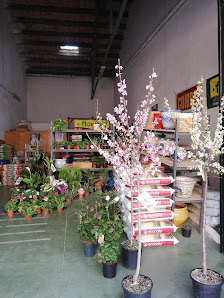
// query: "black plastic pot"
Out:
[89,249]
[109,270]
[104,188]
[206,291]
[186,231]
[129,258]
[128,294]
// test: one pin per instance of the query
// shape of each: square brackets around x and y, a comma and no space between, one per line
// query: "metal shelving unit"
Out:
[180,166]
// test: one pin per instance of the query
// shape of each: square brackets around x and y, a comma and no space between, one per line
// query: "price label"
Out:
[101,240]
[147,201]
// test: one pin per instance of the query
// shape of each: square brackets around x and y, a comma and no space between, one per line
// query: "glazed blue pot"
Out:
[167,119]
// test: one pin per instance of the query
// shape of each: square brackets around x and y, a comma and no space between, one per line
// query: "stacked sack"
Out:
[6,152]
[9,173]
[156,225]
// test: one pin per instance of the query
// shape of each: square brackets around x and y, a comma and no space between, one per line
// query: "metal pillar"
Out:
[221,93]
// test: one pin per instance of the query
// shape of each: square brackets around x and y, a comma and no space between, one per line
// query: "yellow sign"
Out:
[214,87]
[88,124]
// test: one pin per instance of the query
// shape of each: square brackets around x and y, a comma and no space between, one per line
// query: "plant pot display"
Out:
[181,154]
[206,286]
[186,231]
[184,186]
[142,289]
[168,119]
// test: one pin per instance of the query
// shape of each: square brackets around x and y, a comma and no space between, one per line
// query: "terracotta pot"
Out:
[69,147]
[86,193]
[38,210]
[22,213]
[59,209]
[10,213]
[68,201]
[45,212]
[101,146]
[72,198]
[98,187]
[180,214]
[88,147]
[81,196]
[29,218]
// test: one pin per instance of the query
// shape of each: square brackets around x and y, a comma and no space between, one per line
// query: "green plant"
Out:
[34,180]
[97,160]
[64,174]
[90,177]
[28,208]
[59,125]
[47,204]
[87,221]
[11,205]
[88,188]
[60,201]
[104,176]
[49,163]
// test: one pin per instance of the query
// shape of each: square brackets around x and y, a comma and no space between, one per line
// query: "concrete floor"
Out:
[44,258]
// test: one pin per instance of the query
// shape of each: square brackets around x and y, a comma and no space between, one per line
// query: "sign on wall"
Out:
[212,86]
[183,99]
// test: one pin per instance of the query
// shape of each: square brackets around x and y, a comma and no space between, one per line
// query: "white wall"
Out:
[50,97]
[12,78]
[181,44]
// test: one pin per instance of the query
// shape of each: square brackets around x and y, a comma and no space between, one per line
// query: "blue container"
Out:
[89,249]
[110,184]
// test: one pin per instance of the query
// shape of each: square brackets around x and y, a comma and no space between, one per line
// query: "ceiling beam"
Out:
[49,8]
[58,72]
[64,34]
[109,46]
[55,22]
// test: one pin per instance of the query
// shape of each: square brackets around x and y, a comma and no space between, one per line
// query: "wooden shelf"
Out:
[86,130]
[184,165]
[196,197]
[167,131]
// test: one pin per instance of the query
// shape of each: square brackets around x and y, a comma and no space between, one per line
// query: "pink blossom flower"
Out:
[12,198]
[62,191]
[45,199]
[81,191]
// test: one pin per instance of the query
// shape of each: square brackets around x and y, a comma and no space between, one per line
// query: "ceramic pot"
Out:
[45,212]
[180,214]
[201,290]
[181,154]
[168,119]
[154,116]
[59,163]
[10,213]
[184,186]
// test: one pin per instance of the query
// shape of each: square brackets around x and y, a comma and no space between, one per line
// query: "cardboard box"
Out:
[84,165]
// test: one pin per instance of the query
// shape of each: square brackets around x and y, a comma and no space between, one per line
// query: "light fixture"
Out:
[69,50]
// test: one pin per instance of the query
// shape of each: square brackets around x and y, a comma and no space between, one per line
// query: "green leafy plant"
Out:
[11,205]
[104,176]
[34,180]
[87,188]
[47,204]
[60,201]
[49,163]
[28,208]
[59,125]
[87,221]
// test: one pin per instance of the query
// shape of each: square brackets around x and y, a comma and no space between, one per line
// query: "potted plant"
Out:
[28,208]
[59,125]
[81,192]
[109,228]
[85,226]
[49,164]
[60,202]
[130,148]
[206,282]
[87,188]
[87,144]
[104,176]
[46,205]
[11,206]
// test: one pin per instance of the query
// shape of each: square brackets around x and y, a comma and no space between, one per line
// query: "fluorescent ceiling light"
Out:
[69,48]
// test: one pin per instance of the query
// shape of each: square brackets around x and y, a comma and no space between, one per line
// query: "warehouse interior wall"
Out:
[180,44]
[12,78]
[49,98]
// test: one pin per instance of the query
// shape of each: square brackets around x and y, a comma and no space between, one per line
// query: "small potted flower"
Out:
[87,188]
[60,202]
[46,206]
[49,163]
[11,206]
[81,192]
[59,125]
[28,209]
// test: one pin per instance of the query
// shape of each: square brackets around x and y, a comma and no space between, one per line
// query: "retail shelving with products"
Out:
[83,132]
[197,197]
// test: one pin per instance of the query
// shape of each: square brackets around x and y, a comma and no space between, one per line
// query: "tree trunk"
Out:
[204,258]
[135,278]
[131,215]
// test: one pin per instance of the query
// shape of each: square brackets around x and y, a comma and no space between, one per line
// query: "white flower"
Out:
[107,198]
[53,168]
[105,137]
[116,199]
